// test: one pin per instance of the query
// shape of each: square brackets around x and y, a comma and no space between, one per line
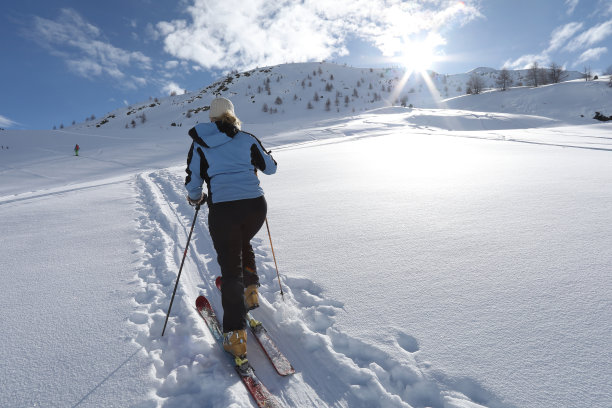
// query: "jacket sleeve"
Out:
[193,181]
[261,158]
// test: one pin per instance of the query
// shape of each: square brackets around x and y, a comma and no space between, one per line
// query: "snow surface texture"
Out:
[440,257]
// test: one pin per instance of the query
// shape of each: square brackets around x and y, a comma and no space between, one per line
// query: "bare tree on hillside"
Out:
[587,74]
[533,74]
[556,73]
[608,71]
[475,84]
[504,80]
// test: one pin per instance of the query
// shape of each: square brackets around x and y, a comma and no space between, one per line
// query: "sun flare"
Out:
[420,54]
[418,57]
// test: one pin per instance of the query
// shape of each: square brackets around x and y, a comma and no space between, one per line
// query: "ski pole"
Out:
[274,256]
[181,268]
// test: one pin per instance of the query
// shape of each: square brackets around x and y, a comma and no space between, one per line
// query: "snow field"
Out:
[66,300]
[430,257]
[493,270]
[333,368]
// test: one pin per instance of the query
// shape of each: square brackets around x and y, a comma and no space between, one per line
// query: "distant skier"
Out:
[76,150]
[228,159]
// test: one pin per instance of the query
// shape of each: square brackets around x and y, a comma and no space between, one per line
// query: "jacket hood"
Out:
[208,135]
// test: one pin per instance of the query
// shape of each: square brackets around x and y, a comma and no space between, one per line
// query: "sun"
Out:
[418,56]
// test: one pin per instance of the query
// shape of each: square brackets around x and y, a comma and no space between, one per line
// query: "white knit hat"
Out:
[219,106]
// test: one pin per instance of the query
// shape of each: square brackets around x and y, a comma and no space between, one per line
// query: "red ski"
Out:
[277,358]
[258,391]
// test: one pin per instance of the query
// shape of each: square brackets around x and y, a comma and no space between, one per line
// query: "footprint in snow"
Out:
[408,343]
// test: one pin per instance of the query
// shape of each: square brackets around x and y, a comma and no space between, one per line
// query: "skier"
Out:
[228,159]
[76,150]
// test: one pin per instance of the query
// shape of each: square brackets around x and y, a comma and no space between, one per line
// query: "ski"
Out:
[258,391]
[277,358]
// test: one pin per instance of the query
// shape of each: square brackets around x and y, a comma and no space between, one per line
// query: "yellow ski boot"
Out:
[251,297]
[235,343]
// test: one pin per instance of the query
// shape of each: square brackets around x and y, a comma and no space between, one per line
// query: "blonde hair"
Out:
[229,118]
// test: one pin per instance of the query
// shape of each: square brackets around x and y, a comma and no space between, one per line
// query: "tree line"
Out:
[536,76]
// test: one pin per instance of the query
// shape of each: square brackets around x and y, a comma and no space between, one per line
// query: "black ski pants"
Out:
[232,225]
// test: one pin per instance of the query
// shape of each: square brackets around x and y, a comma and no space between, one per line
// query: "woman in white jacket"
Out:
[228,159]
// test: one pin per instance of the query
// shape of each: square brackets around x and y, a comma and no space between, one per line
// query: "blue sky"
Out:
[64,61]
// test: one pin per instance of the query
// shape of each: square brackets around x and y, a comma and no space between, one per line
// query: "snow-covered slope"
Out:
[311,91]
[430,257]
[573,102]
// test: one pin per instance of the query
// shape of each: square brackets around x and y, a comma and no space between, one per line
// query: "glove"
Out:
[197,202]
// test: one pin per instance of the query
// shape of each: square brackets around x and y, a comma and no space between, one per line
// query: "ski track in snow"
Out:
[332,368]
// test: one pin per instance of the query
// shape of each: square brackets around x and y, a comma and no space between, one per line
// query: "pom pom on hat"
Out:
[219,106]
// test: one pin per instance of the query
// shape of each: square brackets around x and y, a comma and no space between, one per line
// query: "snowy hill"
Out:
[307,90]
[452,255]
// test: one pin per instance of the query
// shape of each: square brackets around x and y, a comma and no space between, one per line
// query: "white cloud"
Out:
[241,35]
[564,39]
[151,33]
[171,64]
[525,61]
[139,80]
[591,36]
[81,45]
[561,34]
[592,54]
[571,6]
[172,87]
[6,122]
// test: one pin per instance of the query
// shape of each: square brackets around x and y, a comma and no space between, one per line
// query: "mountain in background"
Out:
[323,90]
